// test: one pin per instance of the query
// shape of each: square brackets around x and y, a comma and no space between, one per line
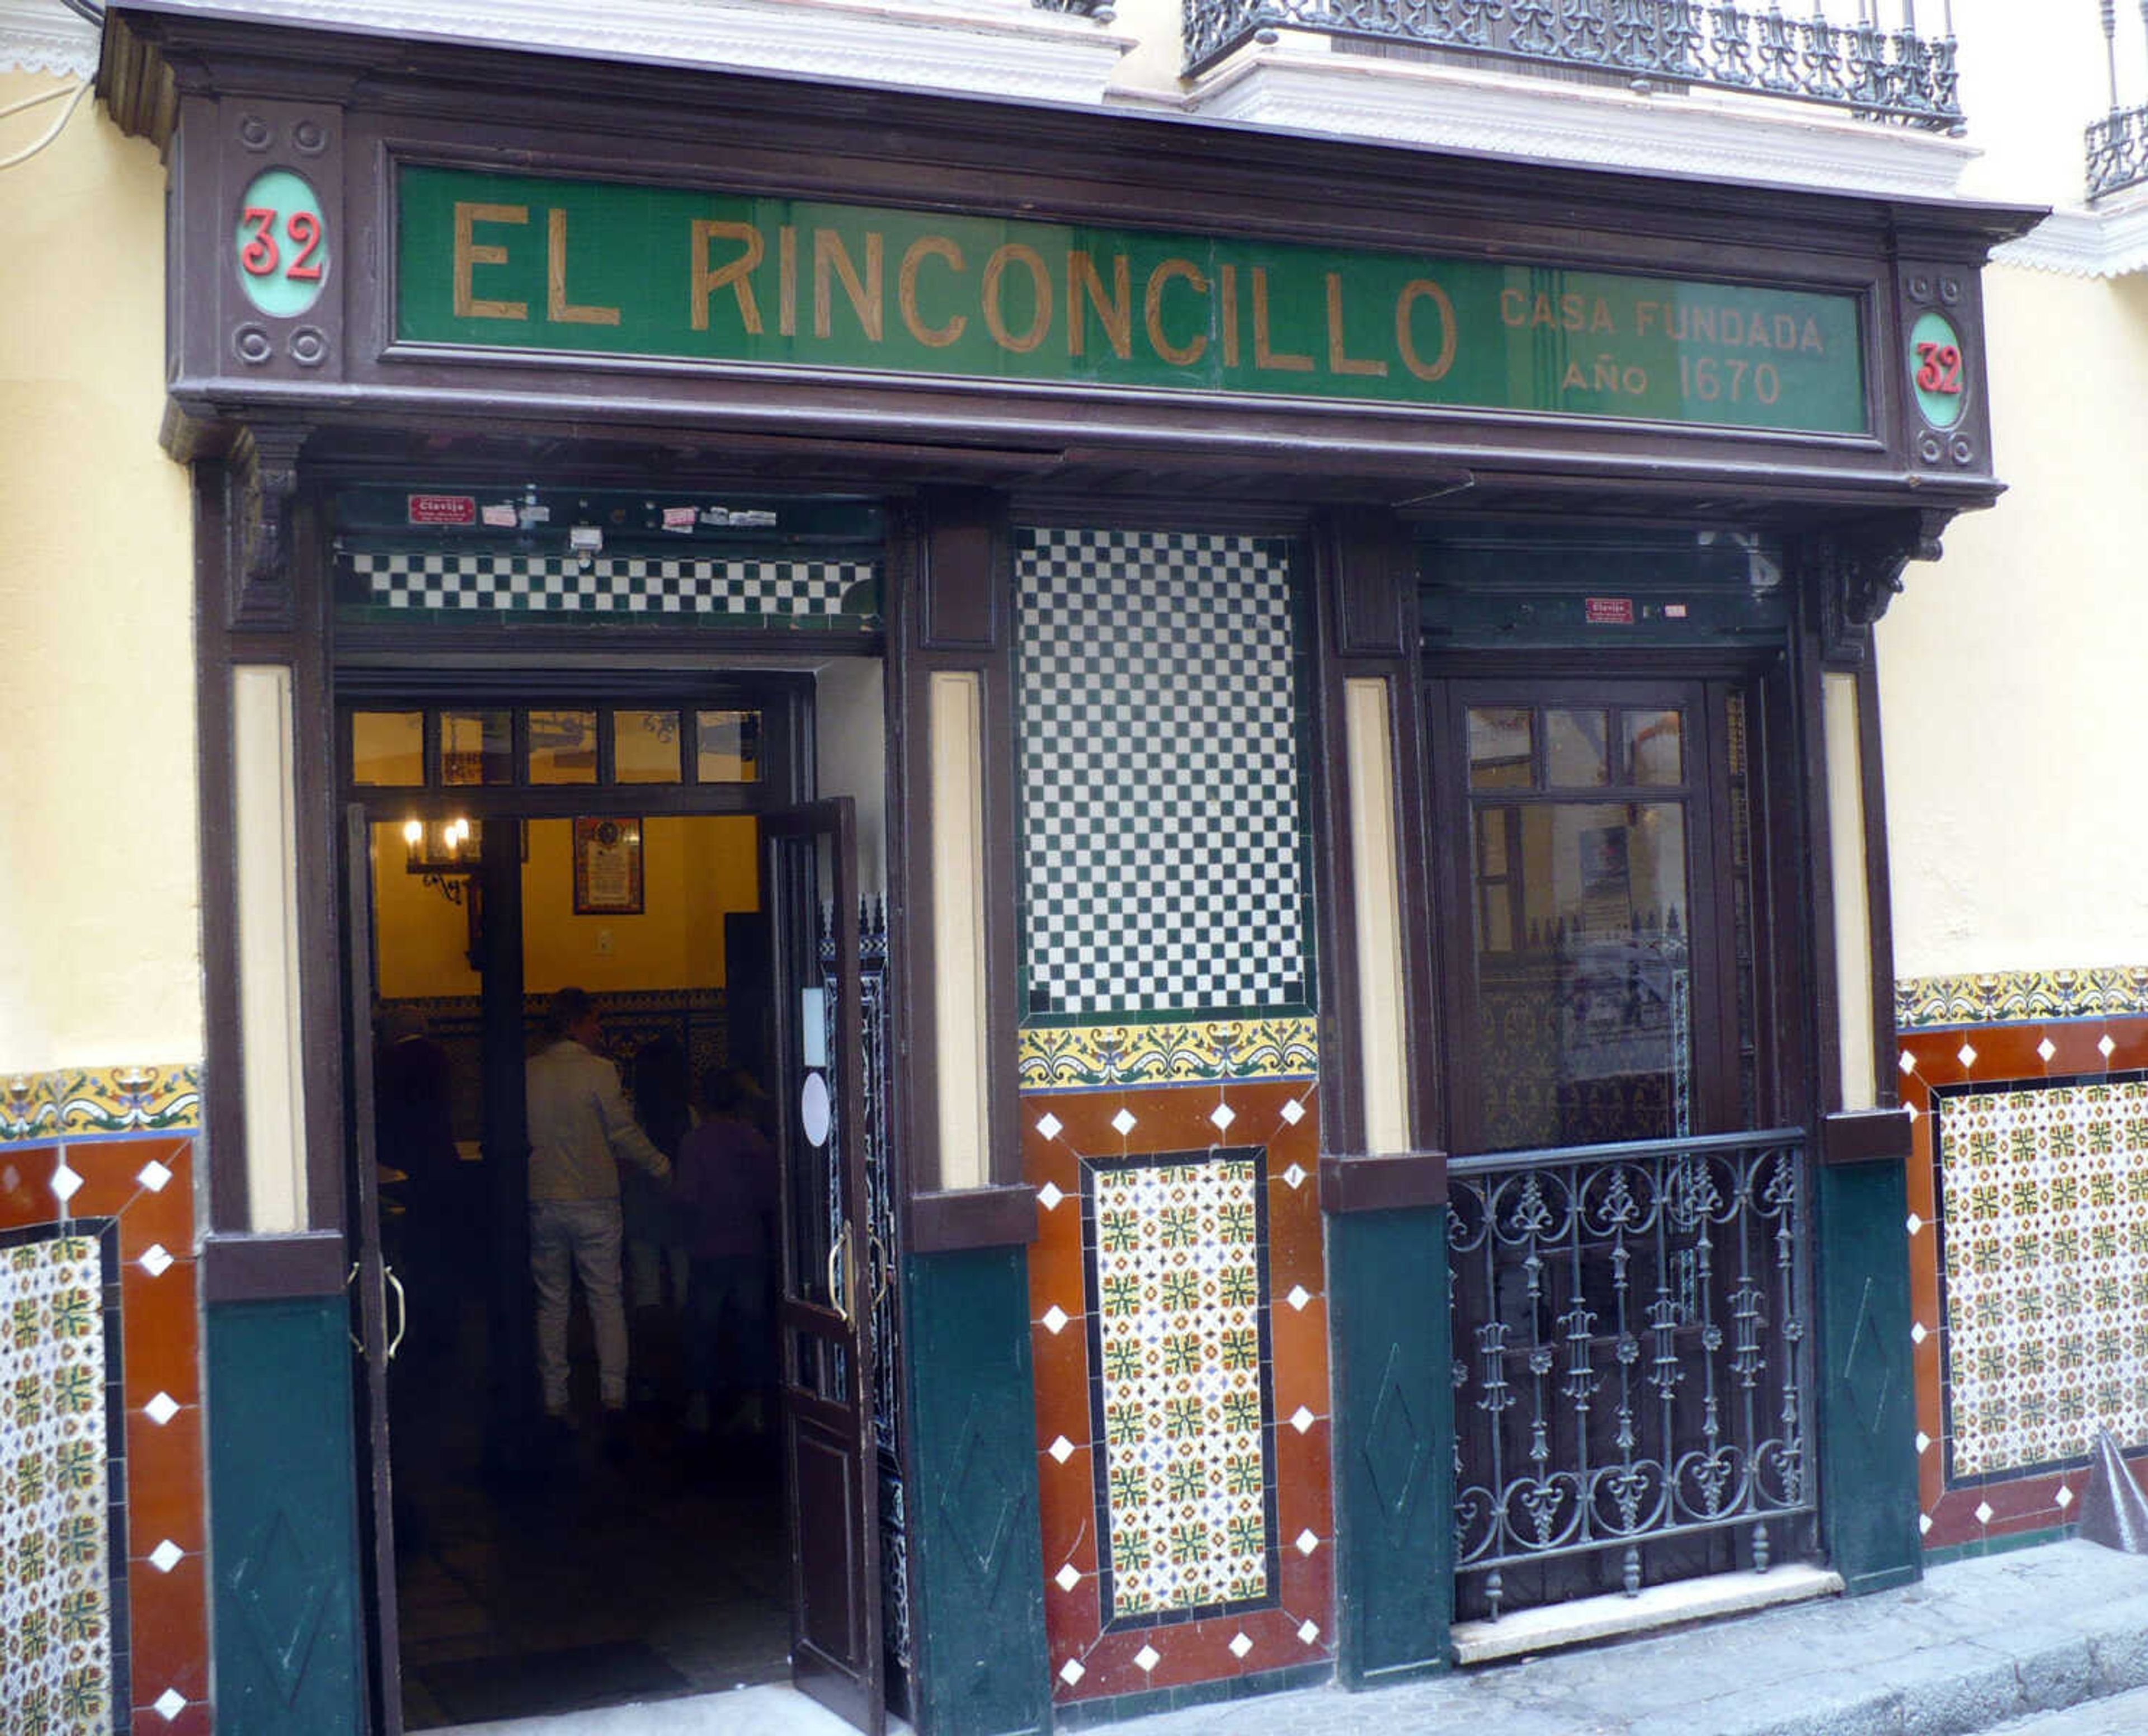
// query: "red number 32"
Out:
[260,257]
[1941,369]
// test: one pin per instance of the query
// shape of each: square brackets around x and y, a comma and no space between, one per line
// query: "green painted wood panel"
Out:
[599,267]
[976,1559]
[1395,1442]
[289,1645]
[1867,1418]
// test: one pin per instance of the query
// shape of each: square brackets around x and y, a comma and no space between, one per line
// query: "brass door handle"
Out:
[402,1309]
[839,1290]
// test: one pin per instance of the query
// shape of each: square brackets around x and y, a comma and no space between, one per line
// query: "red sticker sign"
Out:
[443,508]
[1607,611]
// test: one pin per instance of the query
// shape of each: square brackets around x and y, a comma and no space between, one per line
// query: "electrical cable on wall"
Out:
[74,96]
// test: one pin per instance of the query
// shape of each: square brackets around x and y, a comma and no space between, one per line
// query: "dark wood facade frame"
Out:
[223,97]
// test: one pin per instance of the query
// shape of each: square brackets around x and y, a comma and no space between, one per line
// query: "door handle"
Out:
[842,1251]
[402,1309]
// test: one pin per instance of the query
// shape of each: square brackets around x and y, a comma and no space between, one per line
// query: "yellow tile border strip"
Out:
[1089,1056]
[163,1098]
[2021,997]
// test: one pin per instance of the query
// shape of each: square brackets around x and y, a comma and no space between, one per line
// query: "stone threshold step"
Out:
[1617,1616]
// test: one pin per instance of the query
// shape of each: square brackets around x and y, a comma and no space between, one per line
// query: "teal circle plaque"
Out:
[1938,370]
[282,244]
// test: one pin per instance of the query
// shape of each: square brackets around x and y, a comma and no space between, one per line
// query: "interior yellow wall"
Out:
[693,872]
[99,896]
[2011,672]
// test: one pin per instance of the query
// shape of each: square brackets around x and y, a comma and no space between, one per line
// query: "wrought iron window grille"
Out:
[1875,72]
[1632,1355]
[2118,144]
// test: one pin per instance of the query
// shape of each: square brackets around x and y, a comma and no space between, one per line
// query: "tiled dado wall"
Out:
[103,1600]
[1170,1114]
[2029,1239]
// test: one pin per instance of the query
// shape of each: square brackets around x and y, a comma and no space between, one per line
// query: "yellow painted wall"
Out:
[2012,672]
[693,872]
[99,896]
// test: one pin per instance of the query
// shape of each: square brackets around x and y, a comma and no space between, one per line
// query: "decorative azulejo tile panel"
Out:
[1163,855]
[2028,1223]
[822,590]
[1177,1311]
[132,1194]
[1185,1495]
[2043,1205]
[111,1100]
[55,1408]
[1091,1056]
[1926,1003]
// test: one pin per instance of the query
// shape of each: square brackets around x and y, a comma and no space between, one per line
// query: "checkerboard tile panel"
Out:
[2045,1196]
[620,584]
[1162,867]
[1178,1300]
[56,1654]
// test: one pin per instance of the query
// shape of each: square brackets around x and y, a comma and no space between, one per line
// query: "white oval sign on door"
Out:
[813,1109]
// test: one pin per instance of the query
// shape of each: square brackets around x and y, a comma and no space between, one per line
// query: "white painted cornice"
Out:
[2109,240]
[1718,135]
[42,36]
[975,47]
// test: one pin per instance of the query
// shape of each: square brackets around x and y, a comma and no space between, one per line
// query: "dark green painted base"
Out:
[1867,1420]
[1118,1708]
[976,1560]
[1395,1442]
[2000,1545]
[289,1646]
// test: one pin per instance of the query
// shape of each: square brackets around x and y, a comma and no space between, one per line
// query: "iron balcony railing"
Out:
[1876,70]
[2118,144]
[1633,1363]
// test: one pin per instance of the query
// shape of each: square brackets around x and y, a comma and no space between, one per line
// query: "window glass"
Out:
[1655,746]
[563,747]
[477,747]
[1577,749]
[388,748]
[1501,739]
[728,747]
[644,747]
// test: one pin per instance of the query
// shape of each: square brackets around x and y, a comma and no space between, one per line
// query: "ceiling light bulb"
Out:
[414,832]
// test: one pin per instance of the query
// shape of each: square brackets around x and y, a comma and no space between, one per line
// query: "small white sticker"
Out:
[500,518]
[813,1110]
[813,1027]
[679,518]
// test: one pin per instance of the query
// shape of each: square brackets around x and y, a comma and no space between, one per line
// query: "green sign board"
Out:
[587,267]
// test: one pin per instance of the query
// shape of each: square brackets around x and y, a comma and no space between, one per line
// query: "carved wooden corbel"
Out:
[1858,568]
[263,479]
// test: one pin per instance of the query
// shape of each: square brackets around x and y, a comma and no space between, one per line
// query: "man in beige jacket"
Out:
[580,1129]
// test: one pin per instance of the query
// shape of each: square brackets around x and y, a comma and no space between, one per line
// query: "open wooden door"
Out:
[376,1330]
[826,1429]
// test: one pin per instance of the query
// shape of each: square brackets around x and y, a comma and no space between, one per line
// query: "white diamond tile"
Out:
[1966,1055]
[155,1260]
[1055,1320]
[1306,1542]
[1293,1112]
[1068,1578]
[1146,1659]
[1049,1196]
[161,1409]
[1302,1419]
[2065,1497]
[166,1555]
[1124,1121]
[1984,1513]
[169,1705]
[1240,1645]
[2104,1045]
[1061,1449]
[1908,1062]
[1223,1115]
[1915,1223]
[1293,1177]
[2045,1050]
[1924,1441]
[65,1183]
[1071,1671]
[1050,1126]
[1923,1523]
[1298,1297]
[153,1176]
[1308,1631]
[1917,1332]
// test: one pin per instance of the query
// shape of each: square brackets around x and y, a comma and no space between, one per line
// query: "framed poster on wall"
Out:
[608,867]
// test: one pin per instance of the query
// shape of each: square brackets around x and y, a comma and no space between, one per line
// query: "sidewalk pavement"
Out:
[1973,1646]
